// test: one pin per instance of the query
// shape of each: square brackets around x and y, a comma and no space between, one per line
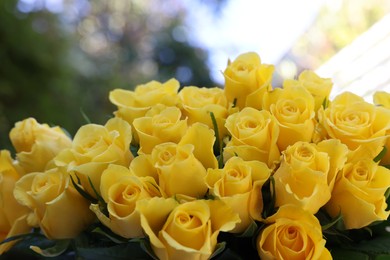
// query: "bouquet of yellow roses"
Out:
[245,172]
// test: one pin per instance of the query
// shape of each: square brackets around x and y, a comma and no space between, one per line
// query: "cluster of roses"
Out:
[202,143]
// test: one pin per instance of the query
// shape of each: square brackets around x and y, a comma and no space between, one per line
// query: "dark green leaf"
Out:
[228,255]
[59,247]
[86,118]
[219,248]
[325,103]
[102,203]
[134,149]
[333,222]
[250,231]
[338,253]
[113,237]
[145,245]
[82,192]
[217,144]
[234,102]
[376,246]
[269,197]
[22,236]
[381,154]
[118,252]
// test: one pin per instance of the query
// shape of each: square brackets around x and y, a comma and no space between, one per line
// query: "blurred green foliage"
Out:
[52,65]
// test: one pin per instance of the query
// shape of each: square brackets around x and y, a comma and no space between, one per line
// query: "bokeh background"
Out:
[60,58]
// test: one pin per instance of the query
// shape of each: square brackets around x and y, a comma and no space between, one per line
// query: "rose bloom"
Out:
[179,171]
[292,233]
[247,80]
[197,103]
[37,144]
[165,125]
[13,216]
[382,98]
[254,136]
[134,104]
[359,191]
[121,190]
[356,122]
[320,88]
[239,185]
[51,198]
[94,147]
[142,166]
[293,108]
[203,150]
[184,231]
[302,178]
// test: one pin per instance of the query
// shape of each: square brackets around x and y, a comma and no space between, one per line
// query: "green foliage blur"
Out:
[56,66]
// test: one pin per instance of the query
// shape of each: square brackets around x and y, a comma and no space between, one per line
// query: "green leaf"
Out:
[219,248]
[102,203]
[333,222]
[250,231]
[59,247]
[145,245]
[113,237]
[22,236]
[269,197]
[229,255]
[381,154]
[86,118]
[325,103]
[117,252]
[376,246]
[234,102]
[217,145]
[134,149]
[339,253]
[82,192]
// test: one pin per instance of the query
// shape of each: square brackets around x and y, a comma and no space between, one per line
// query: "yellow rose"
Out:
[134,104]
[121,190]
[247,80]
[94,147]
[320,88]
[302,178]
[292,233]
[13,216]
[179,171]
[254,135]
[50,197]
[203,150]
[184,231]
[382,98]
[197,103]
[165,126]
[356,122]
[239,185]
[359,191]
[142,166]
[37,144]
[293,108]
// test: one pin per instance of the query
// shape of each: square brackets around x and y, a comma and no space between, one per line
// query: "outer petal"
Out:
[58,224]
[203,150]
[111,176]
[19,227]
[154,213]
